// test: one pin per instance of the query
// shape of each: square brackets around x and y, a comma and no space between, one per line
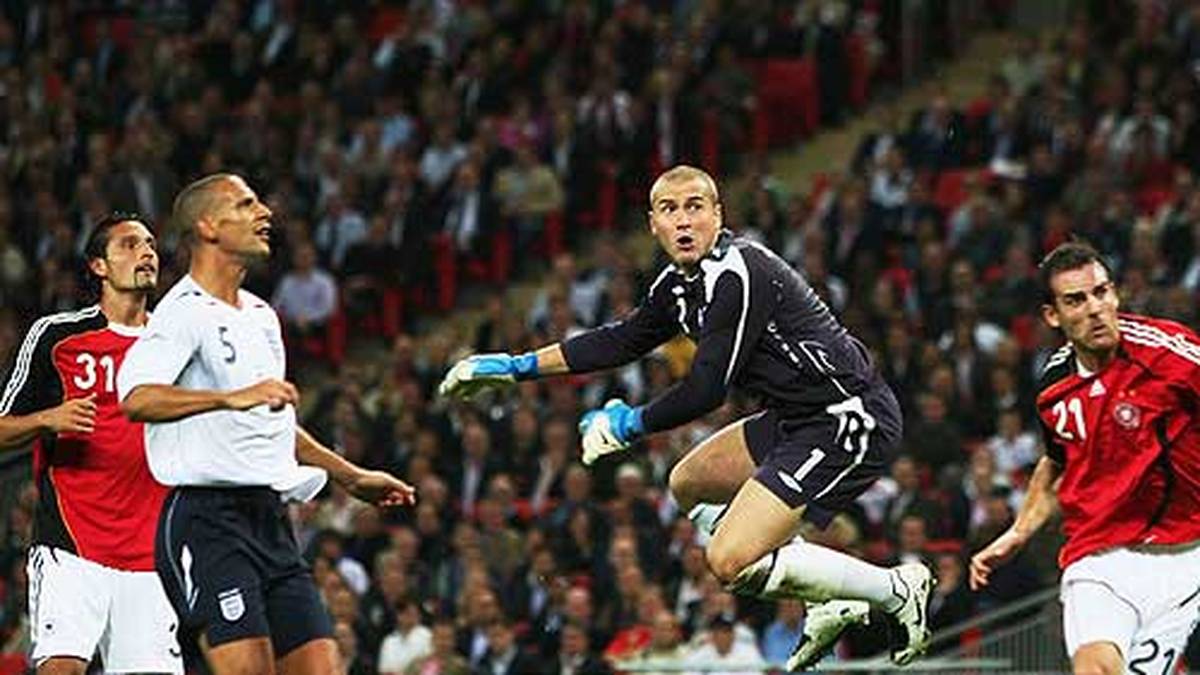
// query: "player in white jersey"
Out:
[207,378]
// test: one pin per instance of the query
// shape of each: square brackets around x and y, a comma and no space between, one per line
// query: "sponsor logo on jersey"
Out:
[232,604]
[1127,415]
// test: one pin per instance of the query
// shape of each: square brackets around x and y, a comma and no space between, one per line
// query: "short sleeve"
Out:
[25,386]
[160,354]
[1054,449]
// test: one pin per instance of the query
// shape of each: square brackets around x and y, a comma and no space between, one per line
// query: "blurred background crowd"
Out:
[423,157]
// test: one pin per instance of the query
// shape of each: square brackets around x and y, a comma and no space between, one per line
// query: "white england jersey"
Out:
[196,341]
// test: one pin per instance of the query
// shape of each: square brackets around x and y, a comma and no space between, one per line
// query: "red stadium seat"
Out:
[500,269]
[1024,331]
[977,110]
[937,546]
[13,664]
[810,95]
[393,311]
[445,270]
[860,74]
[606,211]
[950,190]
[710,142]
[384,20]
[553,232]
[789,99]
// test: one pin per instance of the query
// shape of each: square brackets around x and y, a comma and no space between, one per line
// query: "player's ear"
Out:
[99,267]
[1050,316]
[205,229]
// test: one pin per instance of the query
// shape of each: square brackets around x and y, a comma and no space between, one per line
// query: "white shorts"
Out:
[77,606]
[1145,601]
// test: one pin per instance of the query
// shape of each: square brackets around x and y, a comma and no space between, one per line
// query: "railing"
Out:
[1026,633]
[1023,636]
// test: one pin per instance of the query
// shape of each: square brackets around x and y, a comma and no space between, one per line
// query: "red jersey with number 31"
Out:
[96,497]
[1127,439]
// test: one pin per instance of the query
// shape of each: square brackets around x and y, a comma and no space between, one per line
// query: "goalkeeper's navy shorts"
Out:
[825,461]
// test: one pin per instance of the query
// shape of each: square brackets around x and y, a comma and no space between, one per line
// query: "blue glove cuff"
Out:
[525,366]
[636,426]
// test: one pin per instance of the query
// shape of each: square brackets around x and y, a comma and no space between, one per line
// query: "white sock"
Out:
[815,573]
[705,517]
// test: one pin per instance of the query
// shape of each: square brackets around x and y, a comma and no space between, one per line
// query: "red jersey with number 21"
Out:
[96,497]
[1127,439]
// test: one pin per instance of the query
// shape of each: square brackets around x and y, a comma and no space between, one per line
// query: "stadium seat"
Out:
[950,190]
[710,142]
[789,99]
[501,263]
[445,270]
[13,664]
[606,211]
[860,73]
[553,233]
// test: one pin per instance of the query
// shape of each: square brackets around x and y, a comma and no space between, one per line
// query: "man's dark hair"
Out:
[97,245]
[97,241]
[1069,256]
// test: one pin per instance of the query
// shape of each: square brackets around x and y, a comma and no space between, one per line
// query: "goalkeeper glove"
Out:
[614,427]
[483,371]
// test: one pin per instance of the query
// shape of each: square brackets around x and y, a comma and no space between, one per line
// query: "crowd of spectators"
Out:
[388,139]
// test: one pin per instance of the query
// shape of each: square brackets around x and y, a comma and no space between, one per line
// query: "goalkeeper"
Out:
[828,425]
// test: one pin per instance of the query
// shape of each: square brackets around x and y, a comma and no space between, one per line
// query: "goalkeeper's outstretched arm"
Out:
[608,346]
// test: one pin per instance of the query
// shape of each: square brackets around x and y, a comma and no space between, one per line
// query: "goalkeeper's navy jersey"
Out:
[757,325]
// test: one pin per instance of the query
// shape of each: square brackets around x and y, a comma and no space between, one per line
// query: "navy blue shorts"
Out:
[824,462]
[231,568]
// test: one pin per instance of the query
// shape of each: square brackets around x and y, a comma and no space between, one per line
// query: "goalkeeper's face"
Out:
[130,261]
[685,218]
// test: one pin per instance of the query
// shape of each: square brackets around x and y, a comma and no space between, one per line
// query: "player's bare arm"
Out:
[77,415]
[376,487]
[1040,503]
[164,402]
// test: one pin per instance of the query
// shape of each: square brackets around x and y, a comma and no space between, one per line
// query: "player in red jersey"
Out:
[91,566]
[1119,405]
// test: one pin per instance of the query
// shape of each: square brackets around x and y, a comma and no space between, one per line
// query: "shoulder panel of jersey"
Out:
[1059,367]
[252,301]
[1155,343]
[184,297]
[44,334]
[658,281]
[726,257]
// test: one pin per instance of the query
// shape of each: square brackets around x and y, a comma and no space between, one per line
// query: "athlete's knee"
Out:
[1098,659]
[247,667]
[62,665]
[682,483]
[726,560]
[315,657]
[242,657]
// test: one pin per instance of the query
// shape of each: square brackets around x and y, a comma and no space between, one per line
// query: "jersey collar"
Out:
[718,251]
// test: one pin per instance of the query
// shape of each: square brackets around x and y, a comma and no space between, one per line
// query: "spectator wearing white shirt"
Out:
[306,296]
[722,650]
[411,640]
[441,157]
[1012,447]
[341,228]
